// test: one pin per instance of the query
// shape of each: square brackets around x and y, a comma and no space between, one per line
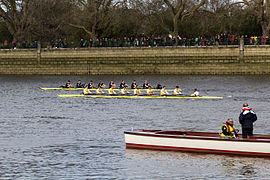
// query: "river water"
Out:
[43,136]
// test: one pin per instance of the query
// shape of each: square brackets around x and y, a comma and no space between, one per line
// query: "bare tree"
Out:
[180,9]
[16,16]
[262,12]
[50,19]
[94,13]
[261,9]
[169,13]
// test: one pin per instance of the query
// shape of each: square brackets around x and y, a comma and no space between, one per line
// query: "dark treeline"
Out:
[24,21]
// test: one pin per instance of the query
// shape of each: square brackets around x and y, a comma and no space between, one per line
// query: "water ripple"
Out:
[43,136]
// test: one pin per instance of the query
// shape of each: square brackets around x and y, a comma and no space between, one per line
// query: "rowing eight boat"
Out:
[76,89]
[65,89]
[139,97]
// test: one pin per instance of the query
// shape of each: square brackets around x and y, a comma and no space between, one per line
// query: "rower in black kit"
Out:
[79,84]
[146,85]
[101,84]
[111,84]
[123,85]
[133,85]
[91,85]
[67,85]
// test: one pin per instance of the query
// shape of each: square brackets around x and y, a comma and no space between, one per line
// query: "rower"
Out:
[146,85]
[177,91]
[124,91]
[91,85]
[68,84]
[149,91]
[101,85]
[164,92]
[137,91]
[228,129]
[195,93]
[123,84]
[79,84]
[86,91]
[159,86]
[111,91]
[111,84]
[133,85]
[99,91]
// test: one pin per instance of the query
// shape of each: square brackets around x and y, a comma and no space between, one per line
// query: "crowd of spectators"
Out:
[21,45]
[222,39]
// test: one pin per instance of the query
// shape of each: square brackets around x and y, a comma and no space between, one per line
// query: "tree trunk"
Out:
[20,35]
[175,29]
[265,29]
[94,26]
[93,35]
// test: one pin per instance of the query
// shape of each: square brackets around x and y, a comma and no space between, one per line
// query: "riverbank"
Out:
[156,60]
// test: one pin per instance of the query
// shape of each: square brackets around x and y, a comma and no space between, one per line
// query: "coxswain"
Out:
[124,91]
[91,85]
[246,119]
[99,91]
[149,91]
[177,91]
[228,130]
[195,93]
[133,85]
[146,85]
[111,84]
[68,84]
[137,91]
[123,84]
[86,91]
[111,91]
[164,92]
[79,84]
[101,85]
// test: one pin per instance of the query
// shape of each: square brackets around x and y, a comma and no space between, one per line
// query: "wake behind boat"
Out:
[206,142]
[138,97]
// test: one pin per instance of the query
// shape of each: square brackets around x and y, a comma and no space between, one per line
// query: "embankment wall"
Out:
[157,60]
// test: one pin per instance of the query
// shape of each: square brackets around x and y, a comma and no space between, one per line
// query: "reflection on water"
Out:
[195,165]
[43,136]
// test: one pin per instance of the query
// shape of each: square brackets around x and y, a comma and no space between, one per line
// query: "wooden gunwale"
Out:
[203,136]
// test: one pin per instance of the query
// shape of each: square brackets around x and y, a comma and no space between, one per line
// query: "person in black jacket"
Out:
[68,84]
[133,85]
[79,84]
[246,119]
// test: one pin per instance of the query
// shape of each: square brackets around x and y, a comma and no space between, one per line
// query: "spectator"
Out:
[35,44]
[81,43]
[14,45]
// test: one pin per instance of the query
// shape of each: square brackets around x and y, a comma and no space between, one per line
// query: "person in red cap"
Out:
[246,119]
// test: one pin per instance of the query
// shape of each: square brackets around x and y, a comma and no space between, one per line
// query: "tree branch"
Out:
[195,8]
[167,2]
[81,27]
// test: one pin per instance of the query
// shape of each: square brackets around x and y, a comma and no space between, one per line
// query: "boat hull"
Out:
[139,97]
[93,89]
[198,144]
[64,89]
